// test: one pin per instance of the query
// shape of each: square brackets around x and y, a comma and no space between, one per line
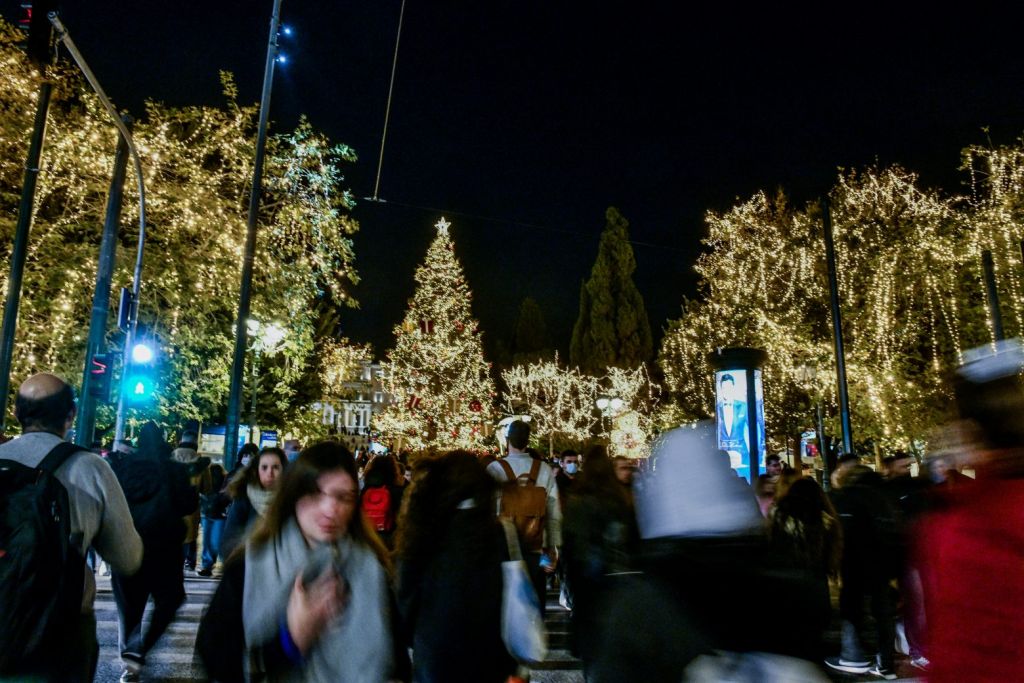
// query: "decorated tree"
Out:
[436,372]
[198,168]
[559,401]
[633,399]
[612,328]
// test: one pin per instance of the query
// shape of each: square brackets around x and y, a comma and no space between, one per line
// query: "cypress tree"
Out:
[612,329]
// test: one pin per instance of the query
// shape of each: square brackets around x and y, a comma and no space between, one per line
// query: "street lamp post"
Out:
[610,406]
[265,339]
[806,374]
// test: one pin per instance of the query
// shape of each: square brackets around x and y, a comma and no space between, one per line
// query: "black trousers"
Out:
[161,578]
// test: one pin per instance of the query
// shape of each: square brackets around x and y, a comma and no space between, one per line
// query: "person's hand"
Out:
[311,607]
[552,554]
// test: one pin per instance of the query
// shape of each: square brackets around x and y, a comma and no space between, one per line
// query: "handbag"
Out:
[522,627]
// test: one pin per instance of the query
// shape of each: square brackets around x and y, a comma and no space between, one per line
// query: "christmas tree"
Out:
[437,373]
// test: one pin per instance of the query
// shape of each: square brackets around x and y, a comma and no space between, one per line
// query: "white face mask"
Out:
[245,460]
[571,467]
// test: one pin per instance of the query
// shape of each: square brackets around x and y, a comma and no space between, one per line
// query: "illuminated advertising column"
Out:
[739,408]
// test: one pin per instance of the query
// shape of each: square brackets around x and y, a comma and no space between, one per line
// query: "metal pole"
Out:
[20,249]
[826,474]
[993,295]
[245,292]
[837,329]
[69,44]
[101,294]
[255,386]
[754,449]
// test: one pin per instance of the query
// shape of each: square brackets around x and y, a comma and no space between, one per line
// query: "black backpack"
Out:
[41,571]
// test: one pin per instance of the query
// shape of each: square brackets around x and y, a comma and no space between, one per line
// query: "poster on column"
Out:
[733,418]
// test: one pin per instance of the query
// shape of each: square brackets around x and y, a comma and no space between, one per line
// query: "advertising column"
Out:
[739,408]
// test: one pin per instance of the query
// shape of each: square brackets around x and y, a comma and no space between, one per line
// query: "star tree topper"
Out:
[442,226]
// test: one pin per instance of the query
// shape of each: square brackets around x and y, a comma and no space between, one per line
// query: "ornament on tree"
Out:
[476,406]
[413,403]
[427,326]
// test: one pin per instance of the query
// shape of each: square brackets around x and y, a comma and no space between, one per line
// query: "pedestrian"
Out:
[251,492]
[187,453]
[450,550]
[214,508]
[160,496]
[96,516]
[382,496]
[870,561]
[542,514]
[971,549]
[600,542]
[307,598]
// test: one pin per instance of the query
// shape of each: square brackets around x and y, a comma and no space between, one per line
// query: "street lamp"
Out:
[265,339]
[806,373]
[610,406]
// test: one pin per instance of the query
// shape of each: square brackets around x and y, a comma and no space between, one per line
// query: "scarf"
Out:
[259,497]
[357,646]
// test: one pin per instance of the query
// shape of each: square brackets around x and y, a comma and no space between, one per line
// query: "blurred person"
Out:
[251,492]
[382,496]
[307,598]
[971,549]
[600,541]
[625,470]
[773,466]
[519,468]
[96,515]
[187,453]
[702,538]
[161,497]
[764,491]
[449,553]
[870,560]
[806,533]
[846,462]
[214,509]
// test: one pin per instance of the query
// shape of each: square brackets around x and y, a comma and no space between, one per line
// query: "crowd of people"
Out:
[335,567]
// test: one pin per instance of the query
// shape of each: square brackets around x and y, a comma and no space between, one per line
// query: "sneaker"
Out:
[848,666]
[132,662]
[129,677]
[921,663]
[887,674]
[205,572]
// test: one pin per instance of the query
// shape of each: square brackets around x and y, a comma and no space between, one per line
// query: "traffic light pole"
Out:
[20,250]
[245,292]
[101,295]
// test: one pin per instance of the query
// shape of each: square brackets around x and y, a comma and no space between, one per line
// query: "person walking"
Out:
[97,516]
[449,553]
[187,453]
[160,496]
[251,491]
[214,508]
[308,598]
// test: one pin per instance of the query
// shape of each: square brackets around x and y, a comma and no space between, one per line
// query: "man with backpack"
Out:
[56,501]
[160,496]
[529,497]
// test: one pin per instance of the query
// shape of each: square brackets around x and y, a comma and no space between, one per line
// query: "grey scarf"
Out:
[259,497]
[355,648]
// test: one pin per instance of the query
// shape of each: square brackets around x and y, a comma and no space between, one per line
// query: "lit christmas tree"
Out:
[436,372]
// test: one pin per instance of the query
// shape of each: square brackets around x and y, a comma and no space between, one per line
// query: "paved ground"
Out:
[172,660]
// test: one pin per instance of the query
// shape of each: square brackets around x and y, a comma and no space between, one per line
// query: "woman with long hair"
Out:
[600,538]
[308,599]
[450,550]
[251,491]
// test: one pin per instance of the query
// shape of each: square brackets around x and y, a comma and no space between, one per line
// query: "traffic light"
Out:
[36,22]
[139,383]
[100,370]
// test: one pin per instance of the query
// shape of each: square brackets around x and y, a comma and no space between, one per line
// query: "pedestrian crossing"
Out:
[172,660]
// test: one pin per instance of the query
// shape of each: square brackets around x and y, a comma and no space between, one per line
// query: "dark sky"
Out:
[524,120]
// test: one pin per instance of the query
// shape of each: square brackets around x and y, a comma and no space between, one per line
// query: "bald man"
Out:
[45,408]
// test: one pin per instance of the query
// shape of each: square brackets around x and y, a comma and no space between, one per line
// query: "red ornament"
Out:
[413,403]
[476,406]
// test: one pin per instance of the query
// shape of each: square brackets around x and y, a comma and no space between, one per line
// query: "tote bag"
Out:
[522,627]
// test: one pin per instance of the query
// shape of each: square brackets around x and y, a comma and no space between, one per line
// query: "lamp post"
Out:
[610,406]
[265,339]
[806,374]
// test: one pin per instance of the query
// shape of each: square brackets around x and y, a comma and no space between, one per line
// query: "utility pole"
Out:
[101,294]
[245,292]
[837,328]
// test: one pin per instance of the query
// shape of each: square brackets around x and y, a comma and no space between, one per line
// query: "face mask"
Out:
[245,460]
[571,467]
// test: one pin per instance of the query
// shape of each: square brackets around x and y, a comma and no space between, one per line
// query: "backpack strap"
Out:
[534,472]
[57,456]
[509,473]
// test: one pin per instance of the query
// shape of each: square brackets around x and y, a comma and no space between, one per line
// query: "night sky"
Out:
[522,121]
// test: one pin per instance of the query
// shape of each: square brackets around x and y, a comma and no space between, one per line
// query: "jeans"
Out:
[851,610]
[161,578]
[212,529]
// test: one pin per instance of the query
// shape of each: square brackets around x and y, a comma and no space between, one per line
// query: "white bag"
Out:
[522,627]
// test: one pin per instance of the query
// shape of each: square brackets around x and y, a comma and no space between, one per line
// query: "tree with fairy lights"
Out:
[436,372]
[198,166]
